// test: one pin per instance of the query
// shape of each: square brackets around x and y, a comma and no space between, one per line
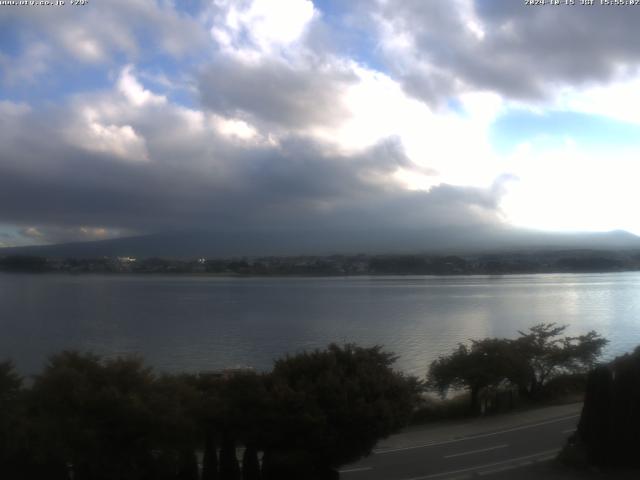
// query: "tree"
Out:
[548,355]
[610,420]
[485,363]
[12,426]
[174,401]
[250,464]
[95,415]
[210,458]
[234,411]
[209,418]
[229,466]
[23,263]
[529,361]
[187,465]
[10,381]
[330,407]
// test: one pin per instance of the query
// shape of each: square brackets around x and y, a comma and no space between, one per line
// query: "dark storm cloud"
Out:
[57,187]
[525,52]
[125,161]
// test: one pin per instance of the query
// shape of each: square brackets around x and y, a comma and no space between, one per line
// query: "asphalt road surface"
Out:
[481,454]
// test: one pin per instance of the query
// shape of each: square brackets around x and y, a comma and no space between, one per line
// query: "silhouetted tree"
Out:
[95,416]
[484,363]
[529,361]
[23,263]
[12,422]
[330,407]
[210,457]
[229,466]
[610,422]
[595,419]
[548,354]
[174,401]
[250,464]
[187,465]
[209,419]
[235,406]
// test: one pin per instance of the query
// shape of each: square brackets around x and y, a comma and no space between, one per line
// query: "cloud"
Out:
[199,175]
[253,115]
[351,108]
[266,72]
[612,100]
[119,141]
[131,88]
[106,31]
[442,48]
[276,93]
[61,234]
[27,68]
[248,30]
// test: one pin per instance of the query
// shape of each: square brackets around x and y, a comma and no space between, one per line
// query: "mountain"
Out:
[211,244]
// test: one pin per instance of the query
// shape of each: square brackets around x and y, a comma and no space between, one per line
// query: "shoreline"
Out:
[312,275]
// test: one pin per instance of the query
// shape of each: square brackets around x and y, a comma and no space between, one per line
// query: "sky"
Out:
[128,117]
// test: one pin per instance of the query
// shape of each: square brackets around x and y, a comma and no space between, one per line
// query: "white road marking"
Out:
[495,470]
[516,465]
[471,452]
[473,437]
[359,469]
[569,430]
[488,465]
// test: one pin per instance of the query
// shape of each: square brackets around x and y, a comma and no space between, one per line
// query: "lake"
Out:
[203,323]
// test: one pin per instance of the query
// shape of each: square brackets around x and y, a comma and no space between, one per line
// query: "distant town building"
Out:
[126,259]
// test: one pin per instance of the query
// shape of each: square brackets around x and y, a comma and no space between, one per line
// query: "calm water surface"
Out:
[198,323]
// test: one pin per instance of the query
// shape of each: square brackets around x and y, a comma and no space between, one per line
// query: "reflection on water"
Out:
[198,323]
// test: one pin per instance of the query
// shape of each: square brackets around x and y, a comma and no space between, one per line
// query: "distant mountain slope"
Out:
[225,244]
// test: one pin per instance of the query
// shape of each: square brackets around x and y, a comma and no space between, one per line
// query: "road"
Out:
[479,453]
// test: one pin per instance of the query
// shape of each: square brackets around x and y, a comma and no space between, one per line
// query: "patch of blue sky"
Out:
[10,38]
[190,7]
[454,105]
[554,128]
[349,33]
[65,77]
[169,77]
[10,236]
[57,82]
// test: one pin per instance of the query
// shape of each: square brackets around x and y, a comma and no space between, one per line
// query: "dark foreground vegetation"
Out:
[88,418]
[608,433]
[545,261]
[85,418]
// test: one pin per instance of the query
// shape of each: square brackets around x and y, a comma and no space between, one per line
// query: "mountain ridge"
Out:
[205,243]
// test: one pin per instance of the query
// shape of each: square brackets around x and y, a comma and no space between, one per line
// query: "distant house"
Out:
[126,259]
